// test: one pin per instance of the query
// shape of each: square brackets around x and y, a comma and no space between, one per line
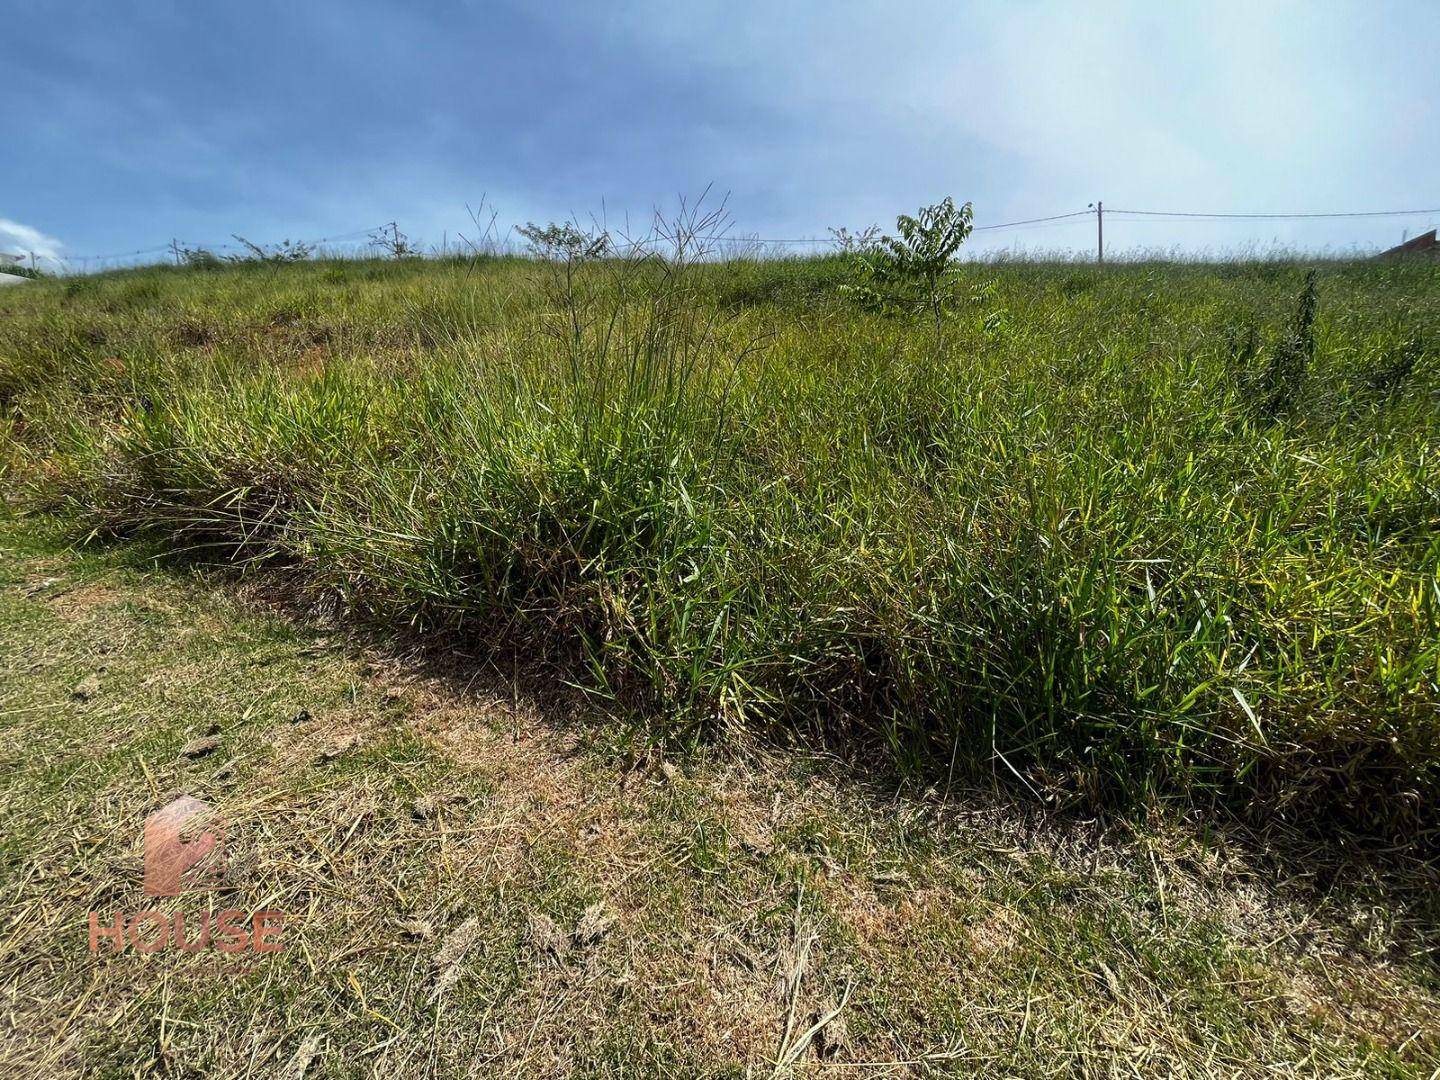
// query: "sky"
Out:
[125,124]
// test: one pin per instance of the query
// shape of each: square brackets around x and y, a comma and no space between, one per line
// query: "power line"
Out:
[977,228]
[734,238]
[1033,221]
[122,254]
[1021,223]
[1278,217]
[214,247]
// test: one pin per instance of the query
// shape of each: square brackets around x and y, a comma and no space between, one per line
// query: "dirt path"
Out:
[475,884]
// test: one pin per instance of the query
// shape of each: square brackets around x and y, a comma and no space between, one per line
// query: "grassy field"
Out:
[1109,535]
[642,667]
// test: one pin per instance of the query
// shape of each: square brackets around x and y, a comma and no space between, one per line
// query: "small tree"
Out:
[915,271]
[563,249]
[199,258]
[848,243]
[393,242]
[564,242]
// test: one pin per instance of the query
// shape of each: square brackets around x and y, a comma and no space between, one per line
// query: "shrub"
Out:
[393,243]
[1397,364]
[287,251]
[1280,383]
[914,272]
[200,259]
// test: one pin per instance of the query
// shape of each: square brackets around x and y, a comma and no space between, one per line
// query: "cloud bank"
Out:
[128,125]
[18,239]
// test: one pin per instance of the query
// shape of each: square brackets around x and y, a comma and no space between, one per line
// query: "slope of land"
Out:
[486,879]
[1145,533]
[630,666]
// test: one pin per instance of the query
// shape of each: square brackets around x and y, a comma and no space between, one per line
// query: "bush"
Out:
[915,271]
[287,251]
[1280,383]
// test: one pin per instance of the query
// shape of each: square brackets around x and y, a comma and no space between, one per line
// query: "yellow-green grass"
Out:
[1073,542]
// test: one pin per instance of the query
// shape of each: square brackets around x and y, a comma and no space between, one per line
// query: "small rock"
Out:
[87,687]
[595,922]
[198,748]
[546,938]
[422,929]
[341,745]
[834,1034]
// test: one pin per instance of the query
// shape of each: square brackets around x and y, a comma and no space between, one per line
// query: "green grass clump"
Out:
[1141,531]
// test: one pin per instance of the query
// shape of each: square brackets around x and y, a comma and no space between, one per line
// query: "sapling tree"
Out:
[563,248]
[848,243]
[564,242]
[914,271]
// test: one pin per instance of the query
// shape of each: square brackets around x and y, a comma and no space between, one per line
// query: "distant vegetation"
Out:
[1112,535]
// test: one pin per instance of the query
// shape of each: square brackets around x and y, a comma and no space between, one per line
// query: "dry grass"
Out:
[486,878]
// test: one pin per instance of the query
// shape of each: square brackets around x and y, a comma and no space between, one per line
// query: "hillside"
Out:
[1109,535]
[1044,679]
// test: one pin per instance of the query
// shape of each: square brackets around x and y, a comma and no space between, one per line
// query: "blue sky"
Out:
[127,123]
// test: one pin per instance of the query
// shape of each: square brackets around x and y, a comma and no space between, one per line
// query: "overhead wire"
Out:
[1021,223]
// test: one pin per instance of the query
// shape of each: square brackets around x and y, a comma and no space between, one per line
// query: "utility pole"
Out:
[175,250]
[1099,208]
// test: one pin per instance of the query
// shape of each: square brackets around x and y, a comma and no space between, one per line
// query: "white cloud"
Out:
[18,239]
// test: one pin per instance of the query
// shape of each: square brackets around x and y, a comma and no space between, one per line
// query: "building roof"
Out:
[1424,245]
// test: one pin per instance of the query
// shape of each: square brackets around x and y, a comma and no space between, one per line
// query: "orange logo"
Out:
[184,844]
[183,848]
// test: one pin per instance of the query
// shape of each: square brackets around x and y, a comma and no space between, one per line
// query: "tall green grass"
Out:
[1103,544]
